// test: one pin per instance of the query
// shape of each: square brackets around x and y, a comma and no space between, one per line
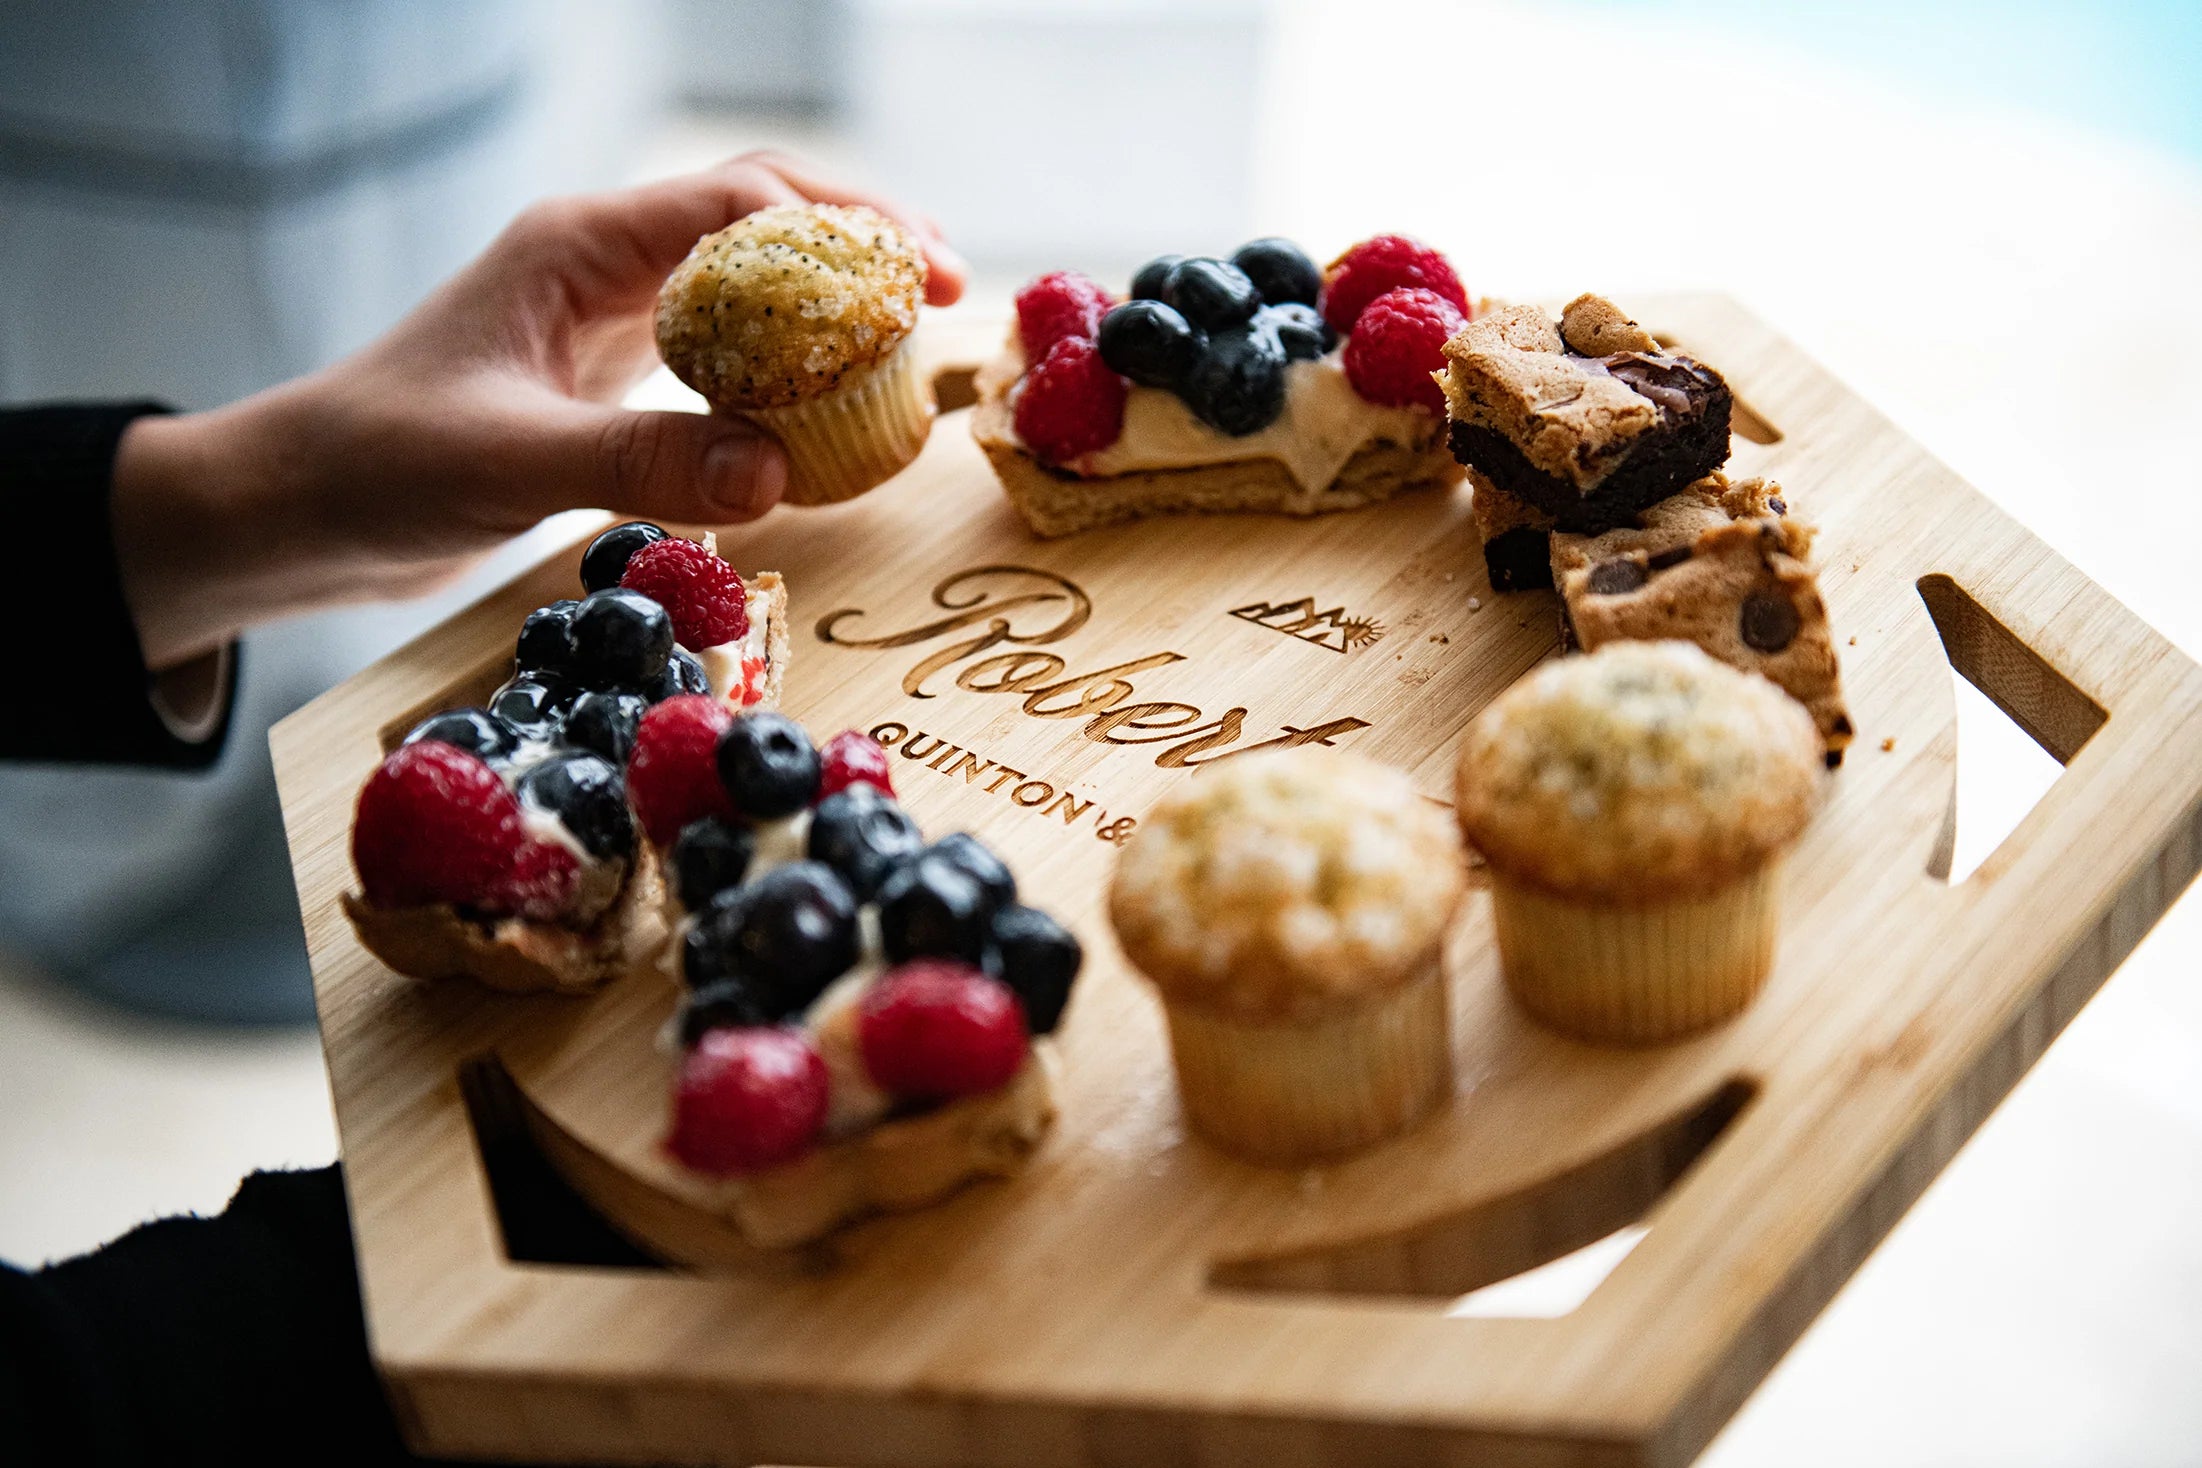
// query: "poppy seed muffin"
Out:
[798,318]
[1290,909]
[1634,805]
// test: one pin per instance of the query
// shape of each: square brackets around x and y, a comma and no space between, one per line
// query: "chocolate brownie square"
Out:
[1720,565]
[1589,419]
[1517,537]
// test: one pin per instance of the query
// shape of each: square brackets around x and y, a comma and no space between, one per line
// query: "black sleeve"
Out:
[57,463]
[235,1339]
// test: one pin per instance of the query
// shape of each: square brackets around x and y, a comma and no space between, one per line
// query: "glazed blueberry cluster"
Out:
[798,867]
[1220,333]
[586,670]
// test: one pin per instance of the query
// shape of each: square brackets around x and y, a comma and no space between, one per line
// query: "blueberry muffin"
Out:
[1634,805]
[1290,910]
[798,318]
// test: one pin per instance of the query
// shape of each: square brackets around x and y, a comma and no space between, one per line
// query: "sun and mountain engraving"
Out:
[1334,630]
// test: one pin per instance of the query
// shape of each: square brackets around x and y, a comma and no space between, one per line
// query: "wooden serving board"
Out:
[1135,1300]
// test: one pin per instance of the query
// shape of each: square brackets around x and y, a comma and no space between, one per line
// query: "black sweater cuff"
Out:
[97,705]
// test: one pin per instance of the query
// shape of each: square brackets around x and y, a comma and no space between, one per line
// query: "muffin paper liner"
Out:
[1288,1094]
[844,442]
[1637,975]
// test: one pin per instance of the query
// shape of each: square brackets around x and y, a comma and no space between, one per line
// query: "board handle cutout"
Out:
[540,1218]
[2038,698]
[1443,1258]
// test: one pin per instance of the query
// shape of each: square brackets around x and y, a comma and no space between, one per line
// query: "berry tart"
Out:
[860,1009]
[1258,383]
[500,841]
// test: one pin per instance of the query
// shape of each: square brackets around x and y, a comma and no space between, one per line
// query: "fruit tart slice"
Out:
[863,1014]
[499,841]
[1255,383]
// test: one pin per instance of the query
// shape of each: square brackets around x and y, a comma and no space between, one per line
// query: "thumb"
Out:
[666,465]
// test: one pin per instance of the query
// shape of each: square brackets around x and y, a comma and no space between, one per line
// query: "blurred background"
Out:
[1984,216]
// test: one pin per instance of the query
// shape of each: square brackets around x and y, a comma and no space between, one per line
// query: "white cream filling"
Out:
[723,664]
[1325,422]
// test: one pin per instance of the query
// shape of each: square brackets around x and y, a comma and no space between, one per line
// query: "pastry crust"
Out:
[1286,887]
[785,303]
[515,955]
[775,592]
[1640,773]
[895,1166]
[1054,502]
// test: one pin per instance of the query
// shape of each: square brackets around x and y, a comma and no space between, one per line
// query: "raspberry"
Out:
[1398,342]
[1384,263]
[701,593]
[851,758]
[1070,402]
[1060,304]
[673,774]
[540,883]
[935,1028]
[747,1099]
[434,824]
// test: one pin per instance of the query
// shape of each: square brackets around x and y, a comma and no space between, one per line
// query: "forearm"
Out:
[218,528]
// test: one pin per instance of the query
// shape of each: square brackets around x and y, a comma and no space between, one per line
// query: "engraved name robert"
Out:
[998,616]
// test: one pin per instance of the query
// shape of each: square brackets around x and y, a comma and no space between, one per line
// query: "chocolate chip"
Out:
[1666,558]
[1842,724]
[1834,759]
[1775,503]
[1611,578]
[1767,623]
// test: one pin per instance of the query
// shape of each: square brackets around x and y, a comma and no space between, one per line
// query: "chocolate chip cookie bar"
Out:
[1517,537]
[1588,419]
[1723,566]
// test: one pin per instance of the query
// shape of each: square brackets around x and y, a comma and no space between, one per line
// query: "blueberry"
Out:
[726,1004]
[621,639]
[711,856]
[1212,294]
[1301,330]
[962,849]
[1150,343]
[604,723]
[932,907]
[863,834]
[1036,956]
[786,936]
[768,765]
[546,638]
[1280,270]
[683,674]
[533,704]
[1152,283]
[474,730]
[605,561]
[588,796]
[1238,386]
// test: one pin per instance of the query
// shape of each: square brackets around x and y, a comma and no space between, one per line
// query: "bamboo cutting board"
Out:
[1135,1300]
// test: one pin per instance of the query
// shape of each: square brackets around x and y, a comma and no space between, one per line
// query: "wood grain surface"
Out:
[1135,1298]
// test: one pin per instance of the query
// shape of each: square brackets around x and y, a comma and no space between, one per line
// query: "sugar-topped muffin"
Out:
[1290,909]
[798,317]
[1634,805]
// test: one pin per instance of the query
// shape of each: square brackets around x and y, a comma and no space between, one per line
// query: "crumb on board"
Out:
[1888,745]
[1439,638]
[1853,639]
[1475,603]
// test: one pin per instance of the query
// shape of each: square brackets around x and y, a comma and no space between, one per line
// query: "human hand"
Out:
[491,406]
